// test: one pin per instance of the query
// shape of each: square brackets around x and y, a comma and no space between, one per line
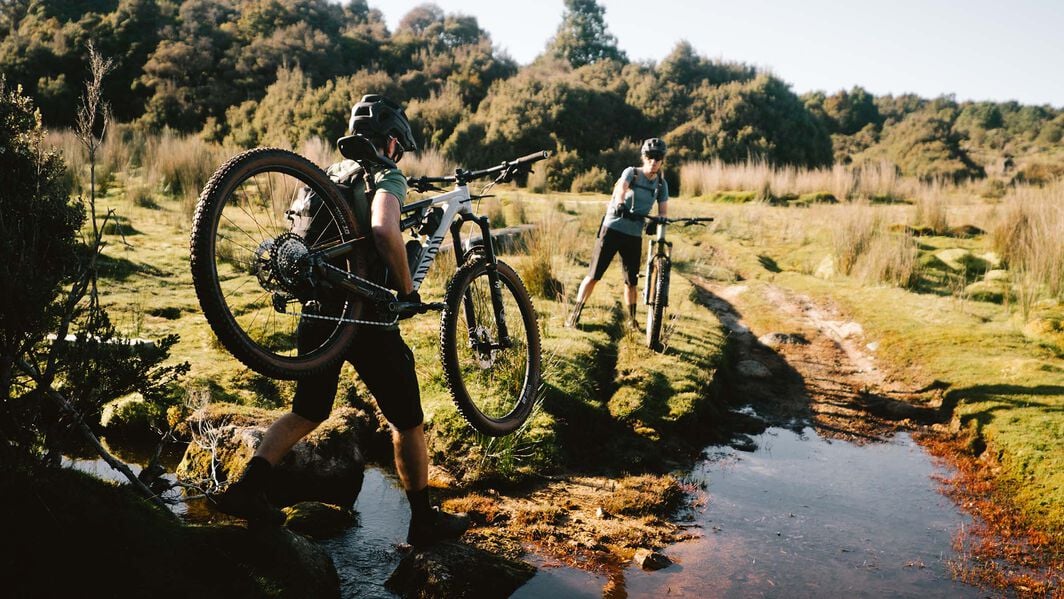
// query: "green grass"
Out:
[1006,375]
[600,386]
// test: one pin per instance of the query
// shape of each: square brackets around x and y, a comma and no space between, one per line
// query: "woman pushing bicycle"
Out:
[634,194]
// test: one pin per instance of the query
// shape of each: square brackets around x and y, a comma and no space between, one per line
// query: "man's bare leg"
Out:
[282,435]
[411,457]
[427,525]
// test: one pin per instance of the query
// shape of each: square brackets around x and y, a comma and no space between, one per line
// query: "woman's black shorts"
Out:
[384,363]
[611,242]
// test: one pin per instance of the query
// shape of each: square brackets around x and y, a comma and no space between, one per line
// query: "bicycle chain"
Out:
[349,320]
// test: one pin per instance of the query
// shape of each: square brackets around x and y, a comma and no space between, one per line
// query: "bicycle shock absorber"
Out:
[495,281]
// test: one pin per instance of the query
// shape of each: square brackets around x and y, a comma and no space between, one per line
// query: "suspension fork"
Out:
[656,247]
[494,281]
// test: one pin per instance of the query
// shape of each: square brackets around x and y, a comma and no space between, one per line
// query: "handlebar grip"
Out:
[533,157]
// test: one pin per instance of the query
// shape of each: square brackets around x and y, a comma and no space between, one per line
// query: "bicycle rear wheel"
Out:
[660,299]
[258,219]
[493,383]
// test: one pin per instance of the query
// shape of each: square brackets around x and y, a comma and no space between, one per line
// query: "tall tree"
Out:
[582,38]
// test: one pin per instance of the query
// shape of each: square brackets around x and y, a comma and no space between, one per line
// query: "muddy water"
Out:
[801,516]
[805,517]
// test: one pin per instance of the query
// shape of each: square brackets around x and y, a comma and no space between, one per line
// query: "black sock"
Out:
[257,474]
[631,311]
[420,509]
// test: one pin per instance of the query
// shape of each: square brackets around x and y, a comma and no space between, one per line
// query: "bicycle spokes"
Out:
[493,367]
[269,227]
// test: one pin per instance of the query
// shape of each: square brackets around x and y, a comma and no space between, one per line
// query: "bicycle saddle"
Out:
[361,149]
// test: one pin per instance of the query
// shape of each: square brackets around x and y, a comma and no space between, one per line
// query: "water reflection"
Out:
[805,517]
[799,517]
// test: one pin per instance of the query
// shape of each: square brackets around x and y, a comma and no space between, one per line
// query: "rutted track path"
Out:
[819,371]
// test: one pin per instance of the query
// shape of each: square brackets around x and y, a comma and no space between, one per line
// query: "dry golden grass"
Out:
[890,258]
[855,227]
[930,209]
[183,165]
[428,162]
[321,152]
[1029,236]
[876,181]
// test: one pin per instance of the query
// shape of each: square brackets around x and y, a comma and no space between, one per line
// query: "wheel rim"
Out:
[263,270]
[495,378]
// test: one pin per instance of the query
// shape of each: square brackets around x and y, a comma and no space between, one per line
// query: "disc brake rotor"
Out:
[481,337]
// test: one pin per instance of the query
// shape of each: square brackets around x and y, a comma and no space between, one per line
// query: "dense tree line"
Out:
[268,71]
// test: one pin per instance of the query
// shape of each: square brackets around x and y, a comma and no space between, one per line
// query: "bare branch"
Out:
[64,405]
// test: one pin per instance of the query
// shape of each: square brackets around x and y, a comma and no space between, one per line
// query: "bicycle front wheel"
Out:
[660,299]
[493,379]
[259,219]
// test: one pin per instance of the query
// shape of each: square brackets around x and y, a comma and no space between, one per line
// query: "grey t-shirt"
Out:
[641,196]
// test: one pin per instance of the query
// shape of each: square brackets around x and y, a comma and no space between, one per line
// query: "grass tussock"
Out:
[549,245]
[857,225]
[891,258]
[930,212]
[320,151]
[1029,236]
[876,181]
[645,495]
[183,165]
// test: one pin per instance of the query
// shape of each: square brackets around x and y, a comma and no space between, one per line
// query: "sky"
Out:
[974,49]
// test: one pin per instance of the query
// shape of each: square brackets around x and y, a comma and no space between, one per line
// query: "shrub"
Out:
[596,179]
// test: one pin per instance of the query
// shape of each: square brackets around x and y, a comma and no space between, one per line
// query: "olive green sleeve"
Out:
[392,181]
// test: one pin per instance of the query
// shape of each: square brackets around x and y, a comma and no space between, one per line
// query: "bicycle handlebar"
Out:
[686,221]
[508,170]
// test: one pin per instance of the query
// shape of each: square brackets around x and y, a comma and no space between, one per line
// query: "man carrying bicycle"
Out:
[635,193]
[379,355]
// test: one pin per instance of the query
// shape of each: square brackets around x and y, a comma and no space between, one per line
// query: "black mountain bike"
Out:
[659,269]
[276,246]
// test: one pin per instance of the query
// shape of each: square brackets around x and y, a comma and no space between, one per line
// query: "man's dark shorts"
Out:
[384,363]
[612,242]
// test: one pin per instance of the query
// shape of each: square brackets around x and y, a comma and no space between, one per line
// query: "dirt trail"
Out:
[820,371]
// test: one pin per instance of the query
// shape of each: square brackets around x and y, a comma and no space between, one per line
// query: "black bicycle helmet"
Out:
[378,118]
[654,148]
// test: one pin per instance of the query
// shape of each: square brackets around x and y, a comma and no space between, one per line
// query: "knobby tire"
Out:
[494,391]
[659,298]
[245,183]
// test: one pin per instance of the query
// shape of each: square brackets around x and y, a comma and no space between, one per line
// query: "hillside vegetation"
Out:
[249,72]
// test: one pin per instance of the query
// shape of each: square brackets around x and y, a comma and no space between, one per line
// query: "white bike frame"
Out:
[455,203]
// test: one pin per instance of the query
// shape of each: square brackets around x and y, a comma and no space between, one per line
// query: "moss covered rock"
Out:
[318,520]
[326,466]
[454,570]
[962,261]
[131,416]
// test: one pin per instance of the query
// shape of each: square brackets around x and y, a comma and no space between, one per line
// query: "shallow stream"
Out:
[801,516]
